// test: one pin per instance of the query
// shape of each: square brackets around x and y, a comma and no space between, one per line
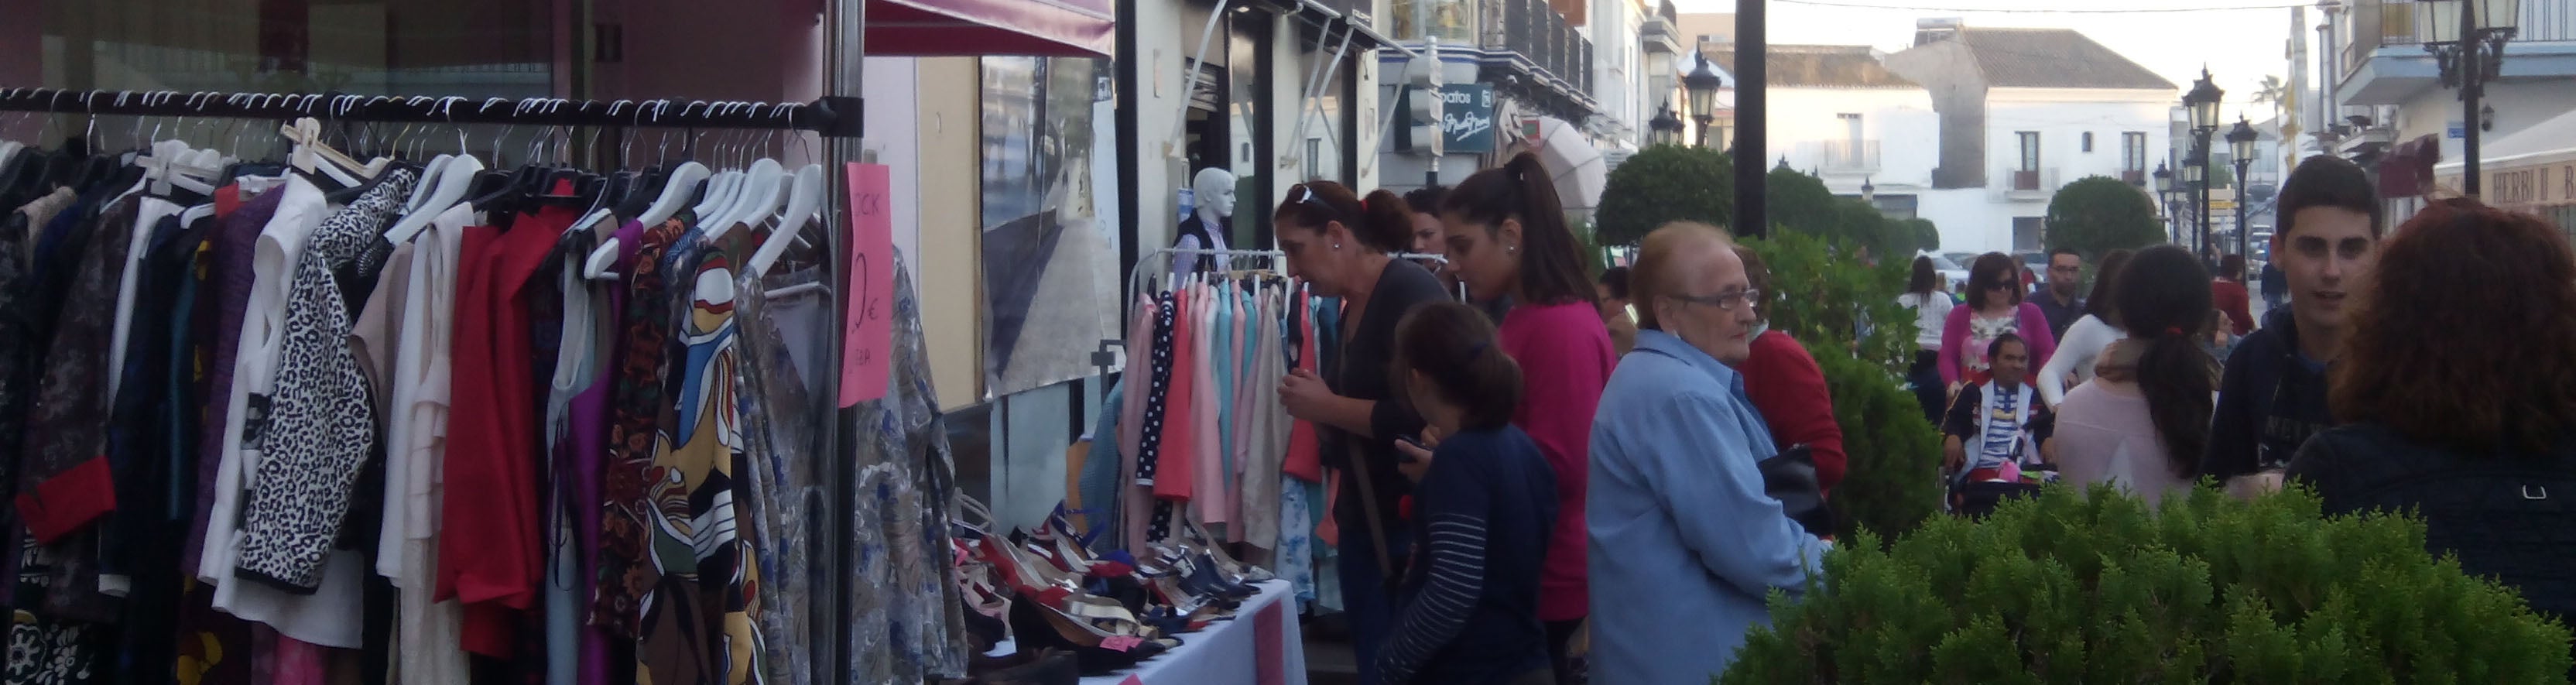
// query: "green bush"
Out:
[1821,294]
[1664,184]
[2100,214]
[1894,456]
[1927,237]
[2077,587]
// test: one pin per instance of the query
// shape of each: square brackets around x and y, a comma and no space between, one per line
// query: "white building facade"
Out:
[2022,113]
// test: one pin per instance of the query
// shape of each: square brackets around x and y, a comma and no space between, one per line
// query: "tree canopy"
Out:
[1663,184]
[2100,214]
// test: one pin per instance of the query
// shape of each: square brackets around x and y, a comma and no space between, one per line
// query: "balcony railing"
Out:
[2026,184]
[2374,24]
[1535,31]
[1842,156]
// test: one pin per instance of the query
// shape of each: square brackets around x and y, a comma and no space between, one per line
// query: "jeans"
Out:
[1929,391]
[1367,601]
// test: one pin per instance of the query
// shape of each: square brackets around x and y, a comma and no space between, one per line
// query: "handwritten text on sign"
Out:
[867,344]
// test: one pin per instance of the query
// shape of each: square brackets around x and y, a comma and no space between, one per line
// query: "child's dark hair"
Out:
[1454,346]
[1996,348]
[2328,181]
[1551,260]
[1616,280]
[2165,305]
[1381,221]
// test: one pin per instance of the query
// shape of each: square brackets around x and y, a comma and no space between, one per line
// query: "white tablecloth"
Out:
[1261,646]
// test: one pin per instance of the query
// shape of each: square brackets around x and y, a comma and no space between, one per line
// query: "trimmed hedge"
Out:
[2093,587]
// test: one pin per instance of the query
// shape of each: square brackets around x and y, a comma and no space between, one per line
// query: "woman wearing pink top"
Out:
[1505,235]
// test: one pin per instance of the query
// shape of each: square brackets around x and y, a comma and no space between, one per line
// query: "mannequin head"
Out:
[1213,189]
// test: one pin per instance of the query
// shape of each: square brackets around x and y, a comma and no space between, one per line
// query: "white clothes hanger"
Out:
[804,202]
[761,191]
[454,180]
[429,175]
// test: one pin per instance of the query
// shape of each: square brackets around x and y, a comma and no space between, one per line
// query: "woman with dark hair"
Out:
[1994,307]
[1931,312]
[1482,508]
[1344,248]
[1506,236]
[2474,432]
[2143,427]
[1787,386]
[1425,203]
[2085,340]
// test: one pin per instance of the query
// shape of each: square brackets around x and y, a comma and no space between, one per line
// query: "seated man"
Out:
[1995,429]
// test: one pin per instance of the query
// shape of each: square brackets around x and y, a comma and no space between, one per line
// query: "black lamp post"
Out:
[2240,141]
[2467,39]
[1703,84]
[2165,193]
[1666,128]
[2202,103]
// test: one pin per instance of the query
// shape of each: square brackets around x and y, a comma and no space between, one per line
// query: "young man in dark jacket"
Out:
[2274,394]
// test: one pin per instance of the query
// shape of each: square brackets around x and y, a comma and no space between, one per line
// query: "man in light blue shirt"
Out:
[1685,545]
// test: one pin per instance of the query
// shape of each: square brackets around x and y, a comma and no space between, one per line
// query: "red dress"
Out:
[489,556]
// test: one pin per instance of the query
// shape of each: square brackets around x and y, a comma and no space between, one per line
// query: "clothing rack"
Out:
[830,116]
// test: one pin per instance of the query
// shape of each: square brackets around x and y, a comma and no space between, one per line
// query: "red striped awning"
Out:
[956,28]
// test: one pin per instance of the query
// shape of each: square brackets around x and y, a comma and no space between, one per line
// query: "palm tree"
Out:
[2273,91]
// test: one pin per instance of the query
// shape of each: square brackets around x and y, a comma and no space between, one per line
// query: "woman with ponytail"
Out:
[2142,422]
[1344,248]
[1506,237]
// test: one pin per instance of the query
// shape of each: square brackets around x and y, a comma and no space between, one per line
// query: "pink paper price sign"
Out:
[867,344]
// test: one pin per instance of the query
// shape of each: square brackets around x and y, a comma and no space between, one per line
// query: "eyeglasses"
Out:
[1726,301]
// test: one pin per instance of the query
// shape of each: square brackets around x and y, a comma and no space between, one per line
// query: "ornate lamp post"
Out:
[1703,84]
[2165,193]
[2202,104]
[2240,142]
[2467,39]
[1665,128]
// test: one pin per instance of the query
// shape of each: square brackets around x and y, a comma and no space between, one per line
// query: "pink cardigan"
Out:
[1565,357]
[2032,326]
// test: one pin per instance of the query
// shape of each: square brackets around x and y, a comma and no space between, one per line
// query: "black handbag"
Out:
[1790,477]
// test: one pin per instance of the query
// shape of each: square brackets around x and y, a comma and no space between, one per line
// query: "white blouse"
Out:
[2083,344]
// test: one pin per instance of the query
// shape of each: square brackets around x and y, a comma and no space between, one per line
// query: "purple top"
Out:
[235,242]
[589,417]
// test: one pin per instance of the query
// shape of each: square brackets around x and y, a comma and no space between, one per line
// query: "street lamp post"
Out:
[2202,104]
[2470,54]
[1703,84]
[2240,140]
[1666,128]
[2195,197]
[2165,193]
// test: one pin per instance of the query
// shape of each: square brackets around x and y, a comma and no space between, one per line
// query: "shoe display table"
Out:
[1261,646]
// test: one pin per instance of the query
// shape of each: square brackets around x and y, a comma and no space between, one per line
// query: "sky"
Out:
[2239,46]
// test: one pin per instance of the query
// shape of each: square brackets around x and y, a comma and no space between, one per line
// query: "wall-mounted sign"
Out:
[1467,117]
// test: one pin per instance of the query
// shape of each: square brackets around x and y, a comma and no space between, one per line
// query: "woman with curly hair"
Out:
[2459,406]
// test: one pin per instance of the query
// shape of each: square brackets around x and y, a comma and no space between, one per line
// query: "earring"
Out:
[1337,246]
[1511,248]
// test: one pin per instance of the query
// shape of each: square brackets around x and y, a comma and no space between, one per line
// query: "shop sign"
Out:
[2551,184]
[1467,117]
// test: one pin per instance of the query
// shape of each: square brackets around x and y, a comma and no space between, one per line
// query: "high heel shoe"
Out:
[1040,627]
